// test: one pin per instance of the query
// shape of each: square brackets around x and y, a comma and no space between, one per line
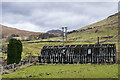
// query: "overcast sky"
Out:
[44,16]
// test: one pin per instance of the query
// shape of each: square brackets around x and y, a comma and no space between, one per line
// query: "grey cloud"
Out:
[44,16]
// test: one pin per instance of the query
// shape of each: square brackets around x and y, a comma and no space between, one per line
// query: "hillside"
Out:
[8,31]
[103,28]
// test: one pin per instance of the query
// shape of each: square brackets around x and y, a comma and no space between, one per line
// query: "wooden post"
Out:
[63,34]
[52,58]
[107,54]
[62,59]
[93,58]
[66,34]
[70,58]
[73,58]
[117,53]
[98,40]
[13,66]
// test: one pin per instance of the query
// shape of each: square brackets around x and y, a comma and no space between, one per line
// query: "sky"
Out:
[44,16]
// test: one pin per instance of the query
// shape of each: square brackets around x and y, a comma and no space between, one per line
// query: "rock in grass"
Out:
[6,72]
[30,75]
[48,73]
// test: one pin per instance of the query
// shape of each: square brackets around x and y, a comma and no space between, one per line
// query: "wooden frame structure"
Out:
[91,53]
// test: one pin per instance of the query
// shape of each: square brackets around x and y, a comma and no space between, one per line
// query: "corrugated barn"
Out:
[91,53]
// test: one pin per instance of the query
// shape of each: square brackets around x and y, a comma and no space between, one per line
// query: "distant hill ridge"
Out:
[8,31]
[55,31]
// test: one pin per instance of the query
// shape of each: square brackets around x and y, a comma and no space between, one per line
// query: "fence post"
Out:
[13,65]
[62,59]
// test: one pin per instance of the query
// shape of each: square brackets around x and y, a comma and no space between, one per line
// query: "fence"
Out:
[93,53]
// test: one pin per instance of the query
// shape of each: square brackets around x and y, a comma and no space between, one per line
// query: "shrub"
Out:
[14,51]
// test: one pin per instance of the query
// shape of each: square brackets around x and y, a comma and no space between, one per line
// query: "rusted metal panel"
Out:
[91,53]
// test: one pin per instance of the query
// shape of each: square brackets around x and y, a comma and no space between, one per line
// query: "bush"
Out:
[14,51]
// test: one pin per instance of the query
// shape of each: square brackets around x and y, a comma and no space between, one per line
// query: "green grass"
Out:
[66,71]
[35,48]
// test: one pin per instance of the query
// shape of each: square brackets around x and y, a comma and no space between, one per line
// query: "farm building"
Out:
[92,53]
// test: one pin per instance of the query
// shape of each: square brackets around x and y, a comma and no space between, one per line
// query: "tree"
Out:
[14,51]
[32,37]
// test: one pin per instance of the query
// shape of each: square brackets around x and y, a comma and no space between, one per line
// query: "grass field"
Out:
[66,71]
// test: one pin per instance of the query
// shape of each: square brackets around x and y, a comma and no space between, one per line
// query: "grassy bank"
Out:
[66,71]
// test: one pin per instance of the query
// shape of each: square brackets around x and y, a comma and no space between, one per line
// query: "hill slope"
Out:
[102,29]
[8,31]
